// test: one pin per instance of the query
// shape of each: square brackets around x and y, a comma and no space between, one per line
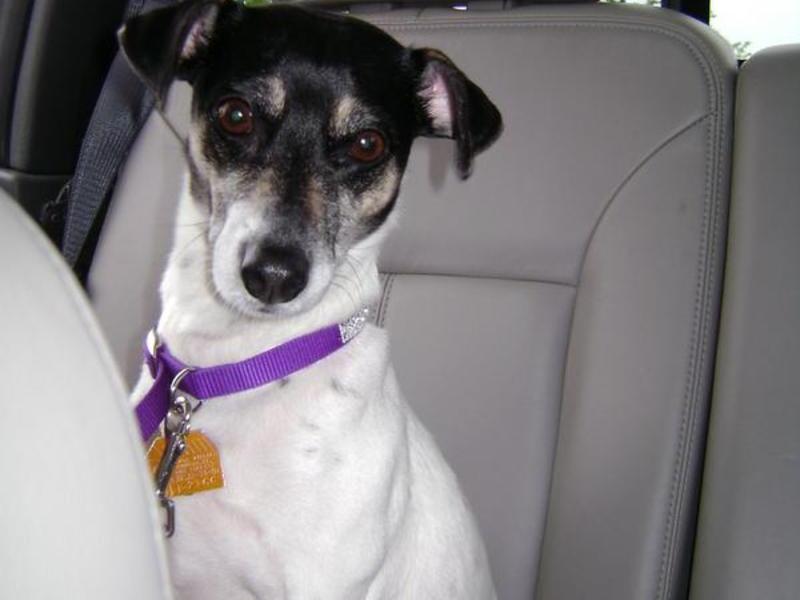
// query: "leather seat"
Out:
[77,514]
[553,320]
[748,543]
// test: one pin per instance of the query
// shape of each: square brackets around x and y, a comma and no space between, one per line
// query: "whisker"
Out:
[190,242]
[198,224]
[350,297]
[358,284]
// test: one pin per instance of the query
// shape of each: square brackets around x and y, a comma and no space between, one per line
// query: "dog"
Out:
[301,127]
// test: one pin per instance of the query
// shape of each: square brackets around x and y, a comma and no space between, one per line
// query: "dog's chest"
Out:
[313,468]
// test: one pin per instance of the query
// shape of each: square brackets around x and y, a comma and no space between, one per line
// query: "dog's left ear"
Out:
[450,105]
[168,43]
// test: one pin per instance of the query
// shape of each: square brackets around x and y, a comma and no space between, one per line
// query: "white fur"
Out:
[332,490]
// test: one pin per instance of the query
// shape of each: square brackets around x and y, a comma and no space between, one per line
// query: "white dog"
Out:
[301,127]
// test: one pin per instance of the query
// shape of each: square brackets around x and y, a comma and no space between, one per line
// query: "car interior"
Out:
[600,327]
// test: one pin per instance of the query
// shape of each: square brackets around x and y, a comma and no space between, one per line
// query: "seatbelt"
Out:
[121,110]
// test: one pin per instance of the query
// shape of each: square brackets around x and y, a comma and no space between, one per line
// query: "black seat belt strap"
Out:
[122,108]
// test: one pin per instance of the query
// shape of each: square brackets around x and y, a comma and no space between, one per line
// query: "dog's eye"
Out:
[367,147]
[235,116]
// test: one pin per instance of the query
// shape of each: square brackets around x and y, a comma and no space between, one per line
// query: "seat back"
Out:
[553,318]
[77,512]
[749,531]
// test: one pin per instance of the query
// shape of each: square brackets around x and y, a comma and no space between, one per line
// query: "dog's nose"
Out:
[275,274]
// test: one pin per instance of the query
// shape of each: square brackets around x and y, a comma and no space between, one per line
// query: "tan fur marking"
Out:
[275,95]
[375,198]
[315,201]
[341,115]
[265,187]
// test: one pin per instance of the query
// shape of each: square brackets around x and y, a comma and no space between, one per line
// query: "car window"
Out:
[747,25]
[750,26]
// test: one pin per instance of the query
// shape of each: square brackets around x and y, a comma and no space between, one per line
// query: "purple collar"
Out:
[203,383]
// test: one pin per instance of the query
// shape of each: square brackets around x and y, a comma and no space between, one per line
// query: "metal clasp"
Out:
[153,342]
[177,426]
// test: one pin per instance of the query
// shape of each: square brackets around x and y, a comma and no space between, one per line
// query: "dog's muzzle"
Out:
[274,274]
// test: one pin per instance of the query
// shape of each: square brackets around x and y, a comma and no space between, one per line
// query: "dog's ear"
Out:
[450,105]
[168,43]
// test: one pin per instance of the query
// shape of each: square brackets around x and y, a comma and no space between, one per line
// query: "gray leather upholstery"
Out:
[76,511]
[552,319]
[749,530]
[577,314]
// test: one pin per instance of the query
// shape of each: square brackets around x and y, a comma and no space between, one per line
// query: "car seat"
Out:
[554,319]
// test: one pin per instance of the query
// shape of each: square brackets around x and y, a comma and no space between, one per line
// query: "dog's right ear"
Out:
[168,43]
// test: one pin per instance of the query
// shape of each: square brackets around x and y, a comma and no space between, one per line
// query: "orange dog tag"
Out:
[197,470]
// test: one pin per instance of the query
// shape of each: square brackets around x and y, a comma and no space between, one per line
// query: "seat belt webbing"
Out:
[121,110]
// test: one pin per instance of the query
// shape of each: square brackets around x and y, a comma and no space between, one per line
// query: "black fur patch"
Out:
[316,193]
[319,59]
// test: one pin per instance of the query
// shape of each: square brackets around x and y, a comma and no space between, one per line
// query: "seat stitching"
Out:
[709,70]
[627,179]
[467,275]
[386,299]
[384,278]
[702,323]
[689,400]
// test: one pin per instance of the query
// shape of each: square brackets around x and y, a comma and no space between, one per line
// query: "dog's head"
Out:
[302,124]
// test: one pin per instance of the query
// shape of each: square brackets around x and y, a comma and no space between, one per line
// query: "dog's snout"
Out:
[275,274]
